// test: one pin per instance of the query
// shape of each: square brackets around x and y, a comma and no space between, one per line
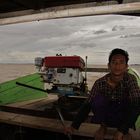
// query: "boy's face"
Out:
[118,65]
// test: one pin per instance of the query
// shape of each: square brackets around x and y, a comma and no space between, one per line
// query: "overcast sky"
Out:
[94,36]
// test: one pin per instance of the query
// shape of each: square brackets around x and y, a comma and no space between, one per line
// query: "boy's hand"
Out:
[100,133]
[69,130]
[118,136]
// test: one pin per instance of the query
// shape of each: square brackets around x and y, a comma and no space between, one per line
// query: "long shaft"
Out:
[62,121]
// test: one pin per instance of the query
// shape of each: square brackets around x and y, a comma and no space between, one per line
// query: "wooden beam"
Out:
[58,8]
[47,124]
[97,70]
[54,125]
[52,13]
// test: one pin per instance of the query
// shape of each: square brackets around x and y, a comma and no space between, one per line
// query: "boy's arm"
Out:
[133,109]
[82,115]
[131,115]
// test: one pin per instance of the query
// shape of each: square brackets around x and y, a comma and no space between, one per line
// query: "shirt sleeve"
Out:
[131,115]
[82,115]
[85,109]
[94,91]
[133,109]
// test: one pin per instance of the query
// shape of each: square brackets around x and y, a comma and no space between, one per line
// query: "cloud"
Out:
[130,35]
[94,36]
[118,28]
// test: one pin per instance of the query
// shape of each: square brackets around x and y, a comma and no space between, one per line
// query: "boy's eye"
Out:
[116,62]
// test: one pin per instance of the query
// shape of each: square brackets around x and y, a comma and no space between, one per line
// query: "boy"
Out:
[114,100]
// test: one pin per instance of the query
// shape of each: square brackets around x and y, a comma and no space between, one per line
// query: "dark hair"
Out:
[119,51]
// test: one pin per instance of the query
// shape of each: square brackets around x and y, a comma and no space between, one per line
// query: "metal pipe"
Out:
[62,121]
[86,71]
[28,86]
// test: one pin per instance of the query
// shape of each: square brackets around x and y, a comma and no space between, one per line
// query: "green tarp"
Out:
[10,92]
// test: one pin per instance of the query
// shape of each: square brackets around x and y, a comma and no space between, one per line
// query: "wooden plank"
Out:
[36,122]
[56,12]
[33,11]
[97,70]
[35,104]
[25,111]
[33,107]
[54,125]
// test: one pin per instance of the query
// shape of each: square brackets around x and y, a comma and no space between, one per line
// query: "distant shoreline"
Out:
[88,64]
[16,63]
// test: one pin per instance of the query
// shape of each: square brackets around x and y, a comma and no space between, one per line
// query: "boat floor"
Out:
[32,115]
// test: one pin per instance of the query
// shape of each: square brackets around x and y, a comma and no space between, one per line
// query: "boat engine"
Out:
[63,73]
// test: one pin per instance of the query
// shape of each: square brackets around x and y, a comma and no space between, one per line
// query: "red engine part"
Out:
[64,61]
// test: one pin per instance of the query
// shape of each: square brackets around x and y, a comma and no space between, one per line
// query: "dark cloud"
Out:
[100,32]
[131,35]
[118,28]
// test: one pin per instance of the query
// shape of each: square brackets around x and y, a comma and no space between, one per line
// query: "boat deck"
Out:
[37,120]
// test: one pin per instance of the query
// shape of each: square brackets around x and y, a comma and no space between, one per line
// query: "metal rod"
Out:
[28,86]
[62,121]
[86,71]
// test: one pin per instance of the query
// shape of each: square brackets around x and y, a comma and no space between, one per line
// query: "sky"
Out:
[92,36]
